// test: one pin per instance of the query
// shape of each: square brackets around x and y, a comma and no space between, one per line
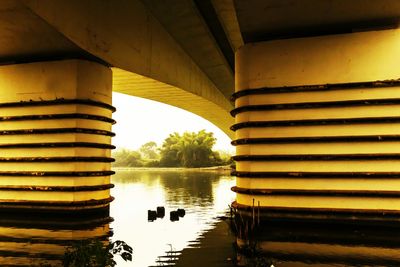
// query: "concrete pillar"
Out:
[317,126]
[55,136]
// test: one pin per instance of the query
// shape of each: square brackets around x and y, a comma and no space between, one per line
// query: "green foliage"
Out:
[226,157]
[189,150]
[152,163]
[127,158]
[93,253]
[149,151]
[169,151]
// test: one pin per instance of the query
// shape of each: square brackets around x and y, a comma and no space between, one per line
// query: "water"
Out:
[204,195]
[201,237]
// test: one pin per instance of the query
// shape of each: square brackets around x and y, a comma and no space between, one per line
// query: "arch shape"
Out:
[137,85]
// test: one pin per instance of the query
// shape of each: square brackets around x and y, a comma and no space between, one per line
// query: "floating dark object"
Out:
[173,216]
[181,212]
[151,215]
[160,212]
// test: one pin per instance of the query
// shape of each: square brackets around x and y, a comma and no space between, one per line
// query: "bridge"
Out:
[308,90]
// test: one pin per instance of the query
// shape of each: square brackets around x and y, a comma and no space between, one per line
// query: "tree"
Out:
[226,157]
[127,158]
[150,150]
[196,150]
[189,150]
[169,151]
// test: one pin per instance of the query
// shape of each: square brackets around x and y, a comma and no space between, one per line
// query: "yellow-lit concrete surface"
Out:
[345,58]
[67,197]
[340,204]
[318,129]
[64,79]
[57,151]
[320,113]
[320,96]
[62,137]
[54,181]
[55,124]
[148,61]
[55,134]
[57,166]
[347,183]
[319,166]
[58,109]
[315,131]
[318,148]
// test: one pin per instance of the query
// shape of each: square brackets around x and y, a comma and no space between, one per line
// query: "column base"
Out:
[262,215]
[59,207]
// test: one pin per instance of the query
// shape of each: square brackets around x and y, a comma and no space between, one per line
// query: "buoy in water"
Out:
[181,212]
[151,215]
[173,216]
[160,212]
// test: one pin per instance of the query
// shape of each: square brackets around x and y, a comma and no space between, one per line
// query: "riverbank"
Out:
[222,169]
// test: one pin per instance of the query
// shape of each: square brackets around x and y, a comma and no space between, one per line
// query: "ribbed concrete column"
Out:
[318,125]
[55,135]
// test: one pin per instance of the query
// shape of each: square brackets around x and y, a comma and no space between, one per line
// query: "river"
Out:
[204,196]
[202,237]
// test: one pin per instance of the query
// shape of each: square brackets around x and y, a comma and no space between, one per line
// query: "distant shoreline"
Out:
[226,169]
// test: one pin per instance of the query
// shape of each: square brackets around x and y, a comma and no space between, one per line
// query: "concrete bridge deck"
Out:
[314,83]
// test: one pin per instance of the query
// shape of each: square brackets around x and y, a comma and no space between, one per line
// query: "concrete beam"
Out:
[189,28]
[126,35]
[226,13]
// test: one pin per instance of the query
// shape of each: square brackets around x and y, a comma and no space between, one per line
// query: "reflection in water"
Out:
[320,244]
[37,240]
[203,195]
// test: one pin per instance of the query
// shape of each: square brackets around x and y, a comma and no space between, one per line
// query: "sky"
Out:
[141,120]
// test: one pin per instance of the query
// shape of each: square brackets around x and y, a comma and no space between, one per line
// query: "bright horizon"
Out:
[141,120]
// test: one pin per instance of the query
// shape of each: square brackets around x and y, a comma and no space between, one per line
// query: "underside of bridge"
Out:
[308,90]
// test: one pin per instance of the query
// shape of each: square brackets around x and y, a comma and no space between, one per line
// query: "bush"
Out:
[94,253]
